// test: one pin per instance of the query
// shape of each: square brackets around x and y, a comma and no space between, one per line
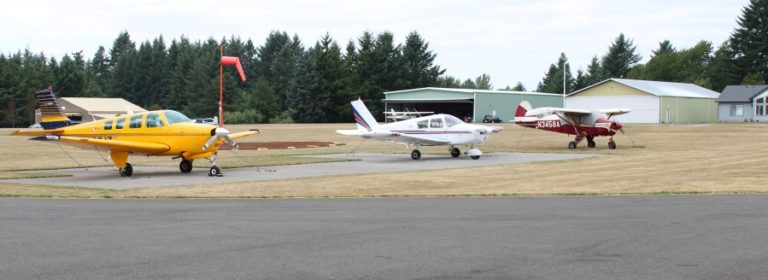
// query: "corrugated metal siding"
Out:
[505,104]
[645,108]
[611,88]
[428,94]
[688,110]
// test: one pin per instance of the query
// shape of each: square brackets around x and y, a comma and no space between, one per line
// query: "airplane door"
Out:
[437,127]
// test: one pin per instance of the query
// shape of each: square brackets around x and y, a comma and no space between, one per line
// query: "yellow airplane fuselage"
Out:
[154,133]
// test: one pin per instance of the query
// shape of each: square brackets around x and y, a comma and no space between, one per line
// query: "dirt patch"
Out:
[282,145]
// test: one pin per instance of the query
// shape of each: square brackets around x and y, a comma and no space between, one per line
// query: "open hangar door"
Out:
[462,109]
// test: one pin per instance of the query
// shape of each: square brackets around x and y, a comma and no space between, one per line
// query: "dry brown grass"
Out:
[716,158]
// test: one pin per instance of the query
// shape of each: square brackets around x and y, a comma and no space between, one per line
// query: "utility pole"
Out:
[565,78]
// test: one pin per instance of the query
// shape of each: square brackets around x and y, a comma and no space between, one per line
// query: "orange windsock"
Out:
[232,60]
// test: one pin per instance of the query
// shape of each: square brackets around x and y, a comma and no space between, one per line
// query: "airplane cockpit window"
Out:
[153,120]
[120,123]
[175,117]
[422,124]
[436,123]
[108,125]
[451,121]
[135,121]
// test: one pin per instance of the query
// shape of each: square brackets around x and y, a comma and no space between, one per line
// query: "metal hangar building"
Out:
[471,105]
[650,101]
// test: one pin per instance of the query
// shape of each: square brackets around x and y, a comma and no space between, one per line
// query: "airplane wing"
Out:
[384,135]
[244,133]
[549,110]
[116,145]
[615,111]
[414,139]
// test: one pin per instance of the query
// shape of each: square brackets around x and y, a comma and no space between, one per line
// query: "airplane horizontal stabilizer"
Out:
[36,132]
[349,132]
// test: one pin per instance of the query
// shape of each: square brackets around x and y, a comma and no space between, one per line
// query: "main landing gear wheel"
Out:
[455,152]
[185,166]
[591,141]
[126,171]
[612,145]
[415,155]
[214,171]
[475,157]
[572,145]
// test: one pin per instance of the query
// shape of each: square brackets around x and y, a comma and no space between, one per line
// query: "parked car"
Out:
[491,119]
[214,120]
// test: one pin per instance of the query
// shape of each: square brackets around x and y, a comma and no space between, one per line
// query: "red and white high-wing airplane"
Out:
[582,123]
[434,130]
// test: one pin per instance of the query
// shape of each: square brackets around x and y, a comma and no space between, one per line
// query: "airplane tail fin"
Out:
[523,108]
[51,116]
[365,121]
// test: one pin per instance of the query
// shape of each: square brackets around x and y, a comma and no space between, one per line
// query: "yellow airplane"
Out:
[154,133]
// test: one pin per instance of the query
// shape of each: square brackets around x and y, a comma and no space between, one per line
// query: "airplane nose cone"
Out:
[221,131]
[616,126]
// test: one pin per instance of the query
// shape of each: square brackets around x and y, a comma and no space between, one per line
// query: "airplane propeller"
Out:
[219,133]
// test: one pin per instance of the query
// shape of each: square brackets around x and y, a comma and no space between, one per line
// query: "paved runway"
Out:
[662,237]
[144,176]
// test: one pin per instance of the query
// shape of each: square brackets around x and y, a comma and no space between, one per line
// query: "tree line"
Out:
[290,82]
[742,59]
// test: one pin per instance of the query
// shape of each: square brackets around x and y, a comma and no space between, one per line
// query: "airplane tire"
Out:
[214,171]
[572,145]
[185,166]
[475,157]
[415,155]
[455,152]
[591,144]
[126,171]
[612,145]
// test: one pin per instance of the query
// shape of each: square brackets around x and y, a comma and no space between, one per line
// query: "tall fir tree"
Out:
[331,72]
[553,79]
[419,69]
[620,58]
[750,39]
[309,103]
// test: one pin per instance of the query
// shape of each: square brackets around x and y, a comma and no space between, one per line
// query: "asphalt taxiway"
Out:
[147,176]
[636,237]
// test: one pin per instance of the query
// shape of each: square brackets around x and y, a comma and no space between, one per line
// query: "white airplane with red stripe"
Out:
[433,130]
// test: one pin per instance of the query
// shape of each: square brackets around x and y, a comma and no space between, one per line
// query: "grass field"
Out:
[676,159]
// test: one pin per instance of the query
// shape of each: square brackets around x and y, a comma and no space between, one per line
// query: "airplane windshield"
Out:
[451,120]
[175,117]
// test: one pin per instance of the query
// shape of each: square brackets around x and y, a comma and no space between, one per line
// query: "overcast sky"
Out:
[509,40]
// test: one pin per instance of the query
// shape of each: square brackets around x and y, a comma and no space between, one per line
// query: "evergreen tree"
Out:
[483,82]
[553,79]
[448,82]
[97,74]
[331,73]
[308,102]
[419,68]
[594,73]
[70,77]
[750,39]
[722,69]
[469,83]
[122,64]
[620,58]
[518,87]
